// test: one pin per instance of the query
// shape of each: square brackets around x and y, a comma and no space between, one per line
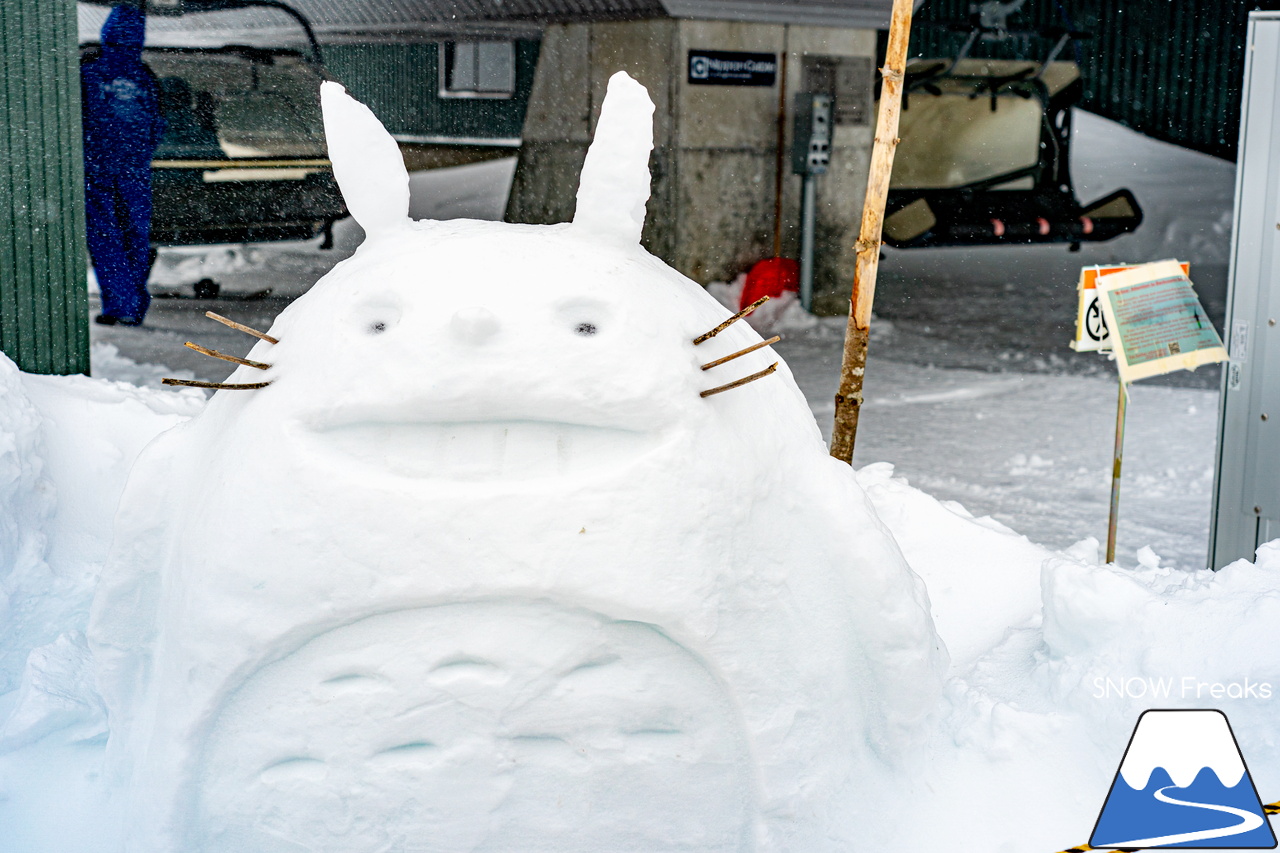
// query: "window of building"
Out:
[478,69]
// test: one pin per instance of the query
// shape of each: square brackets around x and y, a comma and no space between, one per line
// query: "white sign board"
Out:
[1156,321]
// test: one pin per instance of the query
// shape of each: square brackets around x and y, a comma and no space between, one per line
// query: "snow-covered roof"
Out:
[340,19]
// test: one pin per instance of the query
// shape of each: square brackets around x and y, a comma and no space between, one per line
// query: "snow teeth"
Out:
[478,451]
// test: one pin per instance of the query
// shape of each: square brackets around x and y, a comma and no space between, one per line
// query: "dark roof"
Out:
[352,17]
[862,14]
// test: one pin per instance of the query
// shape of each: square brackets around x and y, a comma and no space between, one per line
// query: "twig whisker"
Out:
[222,355]
[732,356]
[727,323]
[226,321]
[192,383]
[743,381]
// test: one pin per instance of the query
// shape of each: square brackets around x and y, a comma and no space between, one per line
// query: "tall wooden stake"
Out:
[849,396]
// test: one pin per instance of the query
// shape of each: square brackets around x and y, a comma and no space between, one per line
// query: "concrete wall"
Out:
[711,212]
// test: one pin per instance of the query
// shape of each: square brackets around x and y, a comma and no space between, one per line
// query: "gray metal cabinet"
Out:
[1246,510]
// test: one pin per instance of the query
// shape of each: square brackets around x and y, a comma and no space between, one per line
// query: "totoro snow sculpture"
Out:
[480,568]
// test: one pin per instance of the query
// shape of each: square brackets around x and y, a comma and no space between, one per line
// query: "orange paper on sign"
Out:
[1089,275]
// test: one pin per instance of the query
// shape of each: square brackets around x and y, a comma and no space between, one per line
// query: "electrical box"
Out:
[811,143]
[1246,500]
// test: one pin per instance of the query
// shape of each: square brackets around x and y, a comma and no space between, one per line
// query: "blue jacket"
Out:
[121,112]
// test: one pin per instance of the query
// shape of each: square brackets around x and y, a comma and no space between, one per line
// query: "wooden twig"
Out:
[191,383]
[241,327]
[222,355]
[727,323]
[858,331]
[752,348]
[743,381]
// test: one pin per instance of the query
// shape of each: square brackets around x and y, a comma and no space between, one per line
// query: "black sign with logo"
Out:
[732,68]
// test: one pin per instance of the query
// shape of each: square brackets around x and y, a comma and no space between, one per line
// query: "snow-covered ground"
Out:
[985,455]
[1033,450]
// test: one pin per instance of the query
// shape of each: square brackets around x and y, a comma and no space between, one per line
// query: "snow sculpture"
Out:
[481,570]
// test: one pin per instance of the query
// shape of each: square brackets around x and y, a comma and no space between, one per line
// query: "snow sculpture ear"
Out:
[615,178]
[366,163]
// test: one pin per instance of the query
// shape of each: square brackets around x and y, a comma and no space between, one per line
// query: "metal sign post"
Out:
[1117,460]
[1155,325]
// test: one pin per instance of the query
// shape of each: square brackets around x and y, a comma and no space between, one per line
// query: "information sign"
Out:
[1156,321]
[732,68]
[1091,328]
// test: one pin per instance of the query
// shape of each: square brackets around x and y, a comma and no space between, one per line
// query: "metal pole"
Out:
[1116,460]
[808,210]
[782,148]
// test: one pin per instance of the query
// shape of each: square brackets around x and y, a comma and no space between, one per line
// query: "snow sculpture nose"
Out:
[474,325]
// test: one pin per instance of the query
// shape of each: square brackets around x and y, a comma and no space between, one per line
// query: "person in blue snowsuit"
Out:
[122,127]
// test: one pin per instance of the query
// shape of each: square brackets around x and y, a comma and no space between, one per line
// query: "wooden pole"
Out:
[849,395]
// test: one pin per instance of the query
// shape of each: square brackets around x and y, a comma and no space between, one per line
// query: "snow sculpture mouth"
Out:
[479,451]
[507,725]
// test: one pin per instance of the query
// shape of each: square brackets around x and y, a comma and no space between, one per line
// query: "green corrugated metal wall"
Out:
[1171,69]
[43,299]
[400,82]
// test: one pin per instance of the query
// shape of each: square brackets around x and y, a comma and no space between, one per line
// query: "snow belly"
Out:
[496,726]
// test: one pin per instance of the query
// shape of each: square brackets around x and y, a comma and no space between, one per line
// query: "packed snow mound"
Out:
[979,592]
[26,504]
[66,446]
[1195,638]
[481,568]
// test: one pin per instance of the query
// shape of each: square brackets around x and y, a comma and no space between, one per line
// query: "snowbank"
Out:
[68,444]
[1054,656]
[979,592]
[26,505]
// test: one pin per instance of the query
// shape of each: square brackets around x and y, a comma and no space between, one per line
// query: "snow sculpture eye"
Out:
[377,327]
[585,329]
